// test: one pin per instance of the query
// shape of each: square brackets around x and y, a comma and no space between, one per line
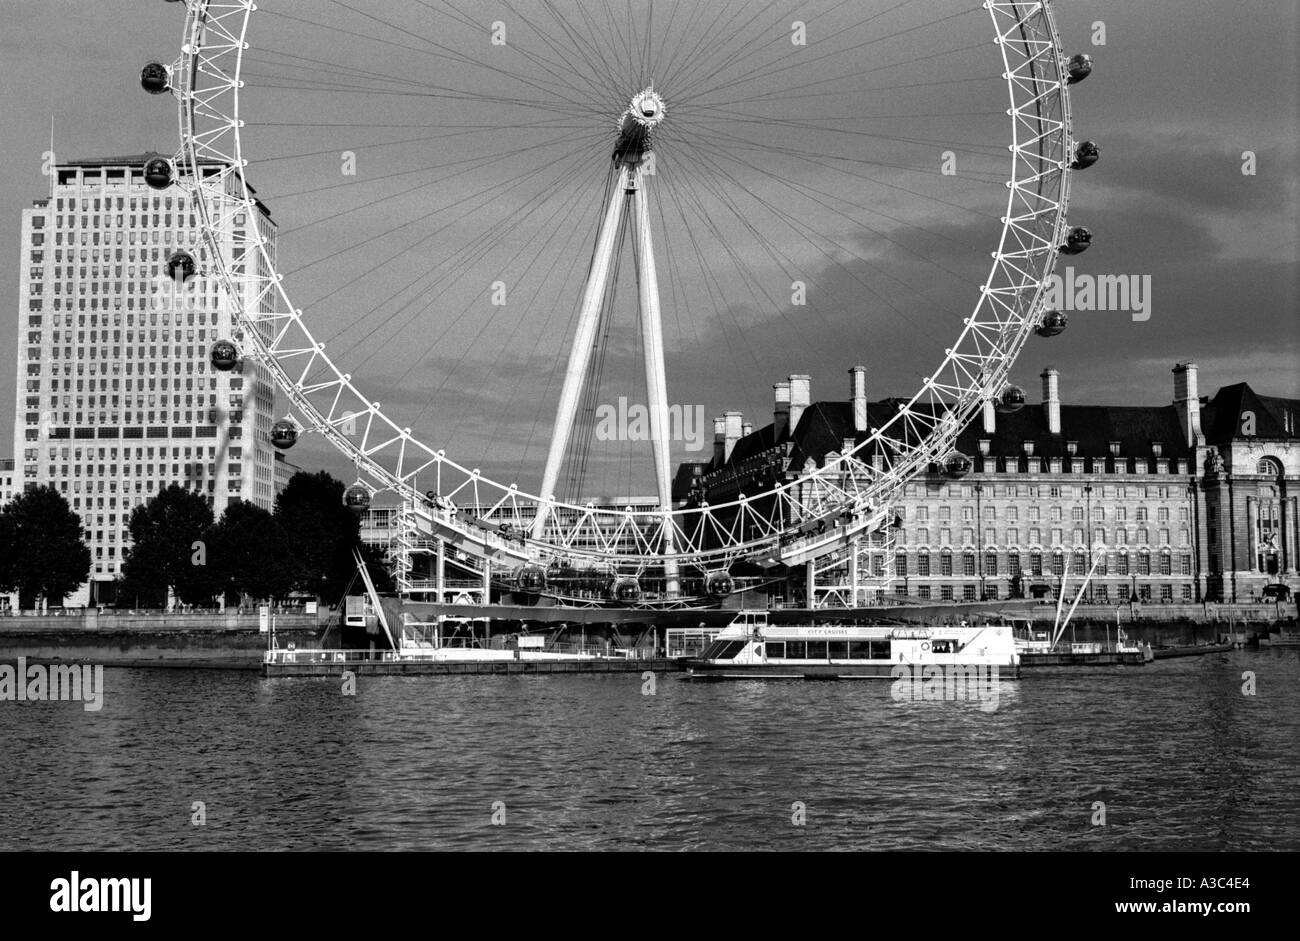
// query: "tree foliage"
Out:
[322,533]
[250,553]
[41,549]
[169,549]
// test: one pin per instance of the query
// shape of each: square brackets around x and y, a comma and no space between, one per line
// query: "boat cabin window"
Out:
[723,649]
[943,646]
[839,649]
[796,649]
[869,650]
[775,649]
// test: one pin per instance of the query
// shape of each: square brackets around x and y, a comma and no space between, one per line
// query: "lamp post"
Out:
[979,550]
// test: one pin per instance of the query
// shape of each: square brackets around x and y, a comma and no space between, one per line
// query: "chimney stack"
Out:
[731,426]
[858,397]
[990,417]
[1052,398]
[719,441]
[746,429]
[1187,401]
[800,398]
[781,409]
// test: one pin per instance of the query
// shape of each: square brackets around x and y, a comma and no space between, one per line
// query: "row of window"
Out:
[1055,513]
[1079,563]
[1121,536]
[1101,594]
[1035,491]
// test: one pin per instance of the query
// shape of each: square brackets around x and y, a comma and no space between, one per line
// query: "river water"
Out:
[1180,757]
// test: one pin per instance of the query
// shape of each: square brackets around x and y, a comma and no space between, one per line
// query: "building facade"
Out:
[1180,503]
[116,396]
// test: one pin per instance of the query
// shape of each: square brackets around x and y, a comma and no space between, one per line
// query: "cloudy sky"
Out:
[477,164]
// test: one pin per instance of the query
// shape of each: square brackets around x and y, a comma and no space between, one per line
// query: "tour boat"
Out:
[751,648]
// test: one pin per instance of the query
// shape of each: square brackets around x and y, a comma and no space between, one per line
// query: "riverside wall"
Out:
[212,640]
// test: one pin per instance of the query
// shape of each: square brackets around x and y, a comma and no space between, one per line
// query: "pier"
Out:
[334,663]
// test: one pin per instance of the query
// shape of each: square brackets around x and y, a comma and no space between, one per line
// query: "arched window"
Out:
[1269,467]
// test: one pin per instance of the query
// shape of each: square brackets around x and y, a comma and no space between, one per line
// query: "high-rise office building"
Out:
[116,394]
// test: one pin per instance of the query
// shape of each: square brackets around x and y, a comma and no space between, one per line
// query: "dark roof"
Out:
[1091,427]
[824,427]
[1223,416]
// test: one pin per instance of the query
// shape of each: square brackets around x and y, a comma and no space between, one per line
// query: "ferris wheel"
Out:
[716,148]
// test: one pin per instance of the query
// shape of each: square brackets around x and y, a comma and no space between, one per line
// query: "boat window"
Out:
[776,649]
[943,646]
[880,650]
[796,650]
[723,649]
[839,649]
[859,650]
[816,650]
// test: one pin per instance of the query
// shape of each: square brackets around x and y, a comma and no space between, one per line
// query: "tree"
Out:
[41,550]
[322,532]
[169,549]
[250,553]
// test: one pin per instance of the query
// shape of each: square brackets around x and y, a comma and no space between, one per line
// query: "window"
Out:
[1166,564]
[945,593]
[968,563]
[945,562]
[1058,563]
[1036,563]
[990,563]
[1144,563]
[1121,564]
[1187,565]
[723,649]
[900,564]
[923,562]
[1013,564]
